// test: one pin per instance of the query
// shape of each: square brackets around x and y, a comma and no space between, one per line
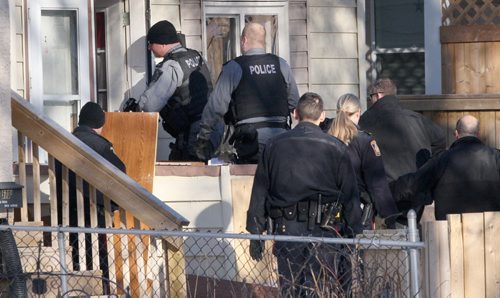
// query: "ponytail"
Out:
[342,127]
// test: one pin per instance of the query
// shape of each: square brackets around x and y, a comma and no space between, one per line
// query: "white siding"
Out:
[333,49]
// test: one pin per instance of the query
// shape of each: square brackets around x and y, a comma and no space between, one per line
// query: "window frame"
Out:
[234,8]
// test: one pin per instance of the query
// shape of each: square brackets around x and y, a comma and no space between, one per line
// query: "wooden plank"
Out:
[487,131]
[433,262]
[81,223]
[53,199]
[469,33]
[444,259]
[474,267]
[37,205]
[21,145]
[497,129]
[441,118]
[476,66]
[176,273]
[451,102]
[448,68]
[108,219]
[493,69]
[461,72]
[93,223]
[452,124]
[492,253]
[456,255]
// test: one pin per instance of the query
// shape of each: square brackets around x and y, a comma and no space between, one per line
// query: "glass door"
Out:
[59,58]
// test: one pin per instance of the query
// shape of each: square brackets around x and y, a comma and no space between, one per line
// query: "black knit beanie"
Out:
[162,32]
[91,115]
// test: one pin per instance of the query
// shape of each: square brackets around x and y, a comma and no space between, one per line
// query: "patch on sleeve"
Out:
[375,148]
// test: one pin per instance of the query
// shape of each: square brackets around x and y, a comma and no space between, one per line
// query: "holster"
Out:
[245,141]
[174,118]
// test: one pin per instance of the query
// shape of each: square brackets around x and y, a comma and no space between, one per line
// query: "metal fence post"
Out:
[414,256]
[62,258]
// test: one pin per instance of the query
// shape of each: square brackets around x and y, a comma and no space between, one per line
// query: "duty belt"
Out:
[312,210]
[263,124]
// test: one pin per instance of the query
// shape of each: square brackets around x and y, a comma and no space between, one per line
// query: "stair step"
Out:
[49,258]
[28,239]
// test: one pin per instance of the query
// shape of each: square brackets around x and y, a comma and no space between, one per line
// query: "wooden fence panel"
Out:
[473,237]
[456,255]
[492,253]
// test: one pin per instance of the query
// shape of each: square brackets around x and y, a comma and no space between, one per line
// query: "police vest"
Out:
[262,89]
[187,103]
[196,83]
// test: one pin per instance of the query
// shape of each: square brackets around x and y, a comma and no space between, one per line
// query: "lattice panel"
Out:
[470,12]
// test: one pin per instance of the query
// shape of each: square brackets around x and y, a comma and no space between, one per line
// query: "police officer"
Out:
[464,179]
[301,172]
[406,139]
[179,90]
[367,161]
[255,93]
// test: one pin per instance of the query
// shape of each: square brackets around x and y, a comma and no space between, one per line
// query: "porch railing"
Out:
[88,167]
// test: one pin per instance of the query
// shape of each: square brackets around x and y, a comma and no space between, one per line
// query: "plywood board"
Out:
[134,140]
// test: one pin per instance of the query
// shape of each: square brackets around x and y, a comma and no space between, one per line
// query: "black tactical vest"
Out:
[262,89]
[187,103]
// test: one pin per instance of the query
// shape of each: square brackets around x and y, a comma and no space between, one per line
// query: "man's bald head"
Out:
[467,125]
[253,36]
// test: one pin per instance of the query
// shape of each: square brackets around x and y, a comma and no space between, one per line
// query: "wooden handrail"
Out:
[92,167]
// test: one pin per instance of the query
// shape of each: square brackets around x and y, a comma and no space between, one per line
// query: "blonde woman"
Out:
[366,159]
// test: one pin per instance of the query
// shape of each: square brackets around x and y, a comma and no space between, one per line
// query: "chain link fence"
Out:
[79,262]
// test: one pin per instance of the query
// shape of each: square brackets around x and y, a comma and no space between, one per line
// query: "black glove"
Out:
[256,249]
[204,149]
[131,105]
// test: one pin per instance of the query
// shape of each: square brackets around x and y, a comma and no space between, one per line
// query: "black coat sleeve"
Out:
[348,185]
[257,214]
[374,176]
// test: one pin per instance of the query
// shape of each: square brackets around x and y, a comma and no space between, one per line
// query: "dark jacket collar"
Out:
[466,140]
[85,128]
[308,126]
[386,101]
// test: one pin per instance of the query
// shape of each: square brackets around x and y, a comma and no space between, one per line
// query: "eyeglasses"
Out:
[376,93]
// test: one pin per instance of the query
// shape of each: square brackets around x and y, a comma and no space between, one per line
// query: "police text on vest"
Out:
[262,69]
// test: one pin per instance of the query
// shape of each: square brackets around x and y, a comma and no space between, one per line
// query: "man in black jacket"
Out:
[406,139]
[90,123]
[463,179]
[300,172]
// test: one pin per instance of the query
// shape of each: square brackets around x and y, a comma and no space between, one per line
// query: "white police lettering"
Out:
[193,62]
[262,69]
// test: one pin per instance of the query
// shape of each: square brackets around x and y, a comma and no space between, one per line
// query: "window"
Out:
[224,22]
[398,43]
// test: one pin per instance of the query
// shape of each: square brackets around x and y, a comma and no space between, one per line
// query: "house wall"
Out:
[333,49]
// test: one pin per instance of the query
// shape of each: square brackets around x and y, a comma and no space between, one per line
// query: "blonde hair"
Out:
[342,127]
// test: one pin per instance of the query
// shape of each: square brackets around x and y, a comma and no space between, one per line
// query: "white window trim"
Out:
[279,8]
